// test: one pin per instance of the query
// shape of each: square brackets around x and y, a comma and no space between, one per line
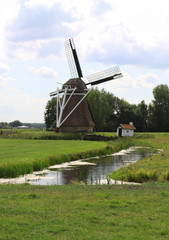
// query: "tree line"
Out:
[108,111]
[17,123]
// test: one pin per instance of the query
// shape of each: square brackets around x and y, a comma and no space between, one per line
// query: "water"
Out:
[90,171]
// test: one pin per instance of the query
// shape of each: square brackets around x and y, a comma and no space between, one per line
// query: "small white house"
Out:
[125,130]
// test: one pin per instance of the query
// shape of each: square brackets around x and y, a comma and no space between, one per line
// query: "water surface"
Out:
[90,171]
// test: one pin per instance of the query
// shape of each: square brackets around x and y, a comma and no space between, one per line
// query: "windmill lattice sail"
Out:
[103,76]
[73,60]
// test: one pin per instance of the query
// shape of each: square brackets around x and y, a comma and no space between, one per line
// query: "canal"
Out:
[89,171]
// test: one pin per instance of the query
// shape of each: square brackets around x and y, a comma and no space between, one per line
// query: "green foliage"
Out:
[4,125]
[15,123]
[160,108]
[140,175]
[102,105]
[50,114]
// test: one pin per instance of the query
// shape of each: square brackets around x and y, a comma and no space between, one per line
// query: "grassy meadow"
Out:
[80,212]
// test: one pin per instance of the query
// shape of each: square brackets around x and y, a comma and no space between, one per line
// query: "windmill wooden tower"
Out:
[72,111]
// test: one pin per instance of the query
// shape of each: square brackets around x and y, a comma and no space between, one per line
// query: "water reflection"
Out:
[94,173]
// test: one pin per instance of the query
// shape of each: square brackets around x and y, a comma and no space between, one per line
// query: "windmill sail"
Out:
[73,60]
[103,76]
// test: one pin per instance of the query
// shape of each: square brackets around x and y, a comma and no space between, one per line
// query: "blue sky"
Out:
[131,34]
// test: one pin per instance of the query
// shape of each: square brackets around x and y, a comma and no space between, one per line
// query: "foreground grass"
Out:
[84,212]
[152,168]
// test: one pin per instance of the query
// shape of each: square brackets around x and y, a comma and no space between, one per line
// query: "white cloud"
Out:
[8,11]
[37,3]
[141,81]
[121,32]
[25,107]
[5,80]
[148,80]
[44,72]
[4,68]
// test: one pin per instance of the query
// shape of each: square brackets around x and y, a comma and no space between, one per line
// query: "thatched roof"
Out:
[78,83]
[81,116]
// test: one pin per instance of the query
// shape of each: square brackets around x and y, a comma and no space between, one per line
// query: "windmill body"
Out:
[72,111]
[80,120]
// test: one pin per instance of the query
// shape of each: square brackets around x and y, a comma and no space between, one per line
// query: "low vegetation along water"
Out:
[89,171]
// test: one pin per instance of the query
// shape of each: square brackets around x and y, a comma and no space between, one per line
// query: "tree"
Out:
[125,111]
[141,116]
[160,108]
[4,125]
[101,104]
[15,123]
[50,113]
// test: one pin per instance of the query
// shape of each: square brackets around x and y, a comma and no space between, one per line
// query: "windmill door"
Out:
[120,132]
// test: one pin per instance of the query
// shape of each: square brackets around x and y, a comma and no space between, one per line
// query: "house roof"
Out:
[127,126]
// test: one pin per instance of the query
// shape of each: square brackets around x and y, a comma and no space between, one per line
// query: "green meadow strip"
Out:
[39,134]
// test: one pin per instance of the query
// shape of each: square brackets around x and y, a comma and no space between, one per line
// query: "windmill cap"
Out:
[76,82]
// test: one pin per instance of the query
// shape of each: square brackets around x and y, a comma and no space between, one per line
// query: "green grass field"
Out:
[84,212]
[23,150]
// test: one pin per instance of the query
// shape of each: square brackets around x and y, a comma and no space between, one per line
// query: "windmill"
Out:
[72,110]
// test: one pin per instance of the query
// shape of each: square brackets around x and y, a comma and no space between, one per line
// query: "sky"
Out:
[130,34]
